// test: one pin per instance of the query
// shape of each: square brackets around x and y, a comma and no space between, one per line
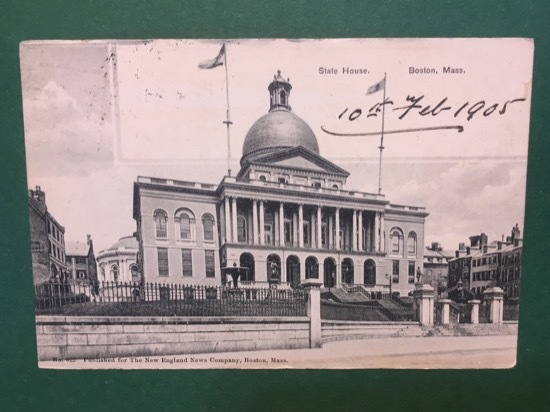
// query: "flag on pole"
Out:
[377,87]
[215,62]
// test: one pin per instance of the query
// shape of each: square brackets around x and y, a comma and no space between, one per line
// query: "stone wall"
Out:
[65,337]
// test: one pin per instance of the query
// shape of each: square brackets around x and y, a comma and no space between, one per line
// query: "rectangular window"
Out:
[187,262]
[162,255]
[268,234]
[411,272]
[209,263]
[241,229]
[395,271]
[288,232]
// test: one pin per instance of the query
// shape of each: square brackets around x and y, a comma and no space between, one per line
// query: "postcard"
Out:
[277,203]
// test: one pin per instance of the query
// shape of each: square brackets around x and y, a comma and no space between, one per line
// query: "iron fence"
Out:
[158,299]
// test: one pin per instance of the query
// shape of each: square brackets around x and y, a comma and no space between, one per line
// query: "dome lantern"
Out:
[279,91]
[280,128]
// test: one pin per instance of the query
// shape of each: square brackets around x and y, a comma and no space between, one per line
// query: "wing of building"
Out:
[287,213]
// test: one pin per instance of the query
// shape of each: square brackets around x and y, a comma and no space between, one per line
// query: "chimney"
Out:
[515,233]
[484,248]
[484,239]
[457,253]
[461,246]
[468,250]
[499,244]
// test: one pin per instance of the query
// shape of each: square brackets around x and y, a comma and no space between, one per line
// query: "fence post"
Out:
[474,314]
[312,286]
[424,303]
[495,299]
[445,318]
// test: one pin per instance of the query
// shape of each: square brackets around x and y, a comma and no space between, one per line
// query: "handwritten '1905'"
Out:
[424,110]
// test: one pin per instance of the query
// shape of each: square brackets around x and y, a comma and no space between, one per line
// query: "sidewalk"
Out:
[471,352]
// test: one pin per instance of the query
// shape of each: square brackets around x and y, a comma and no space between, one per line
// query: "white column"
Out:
[319,228]
[376,233]
[262,236]
[383,234]
[444,308]
[354,231]
[301,226]
[227,221]
[312,237]
[234,236]
[254,222]
[360,230]
[368,234]
[276,227]
[337,231]
[330,233]
[281,225]
[295,230]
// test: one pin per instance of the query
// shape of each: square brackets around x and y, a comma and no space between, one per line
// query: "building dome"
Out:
[126,242]
[279,128]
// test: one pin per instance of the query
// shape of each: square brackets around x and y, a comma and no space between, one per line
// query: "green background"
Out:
[25,387]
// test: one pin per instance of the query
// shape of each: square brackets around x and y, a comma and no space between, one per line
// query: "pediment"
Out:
[300,158]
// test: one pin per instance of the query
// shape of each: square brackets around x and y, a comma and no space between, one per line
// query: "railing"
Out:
[357,289]
[261,284]
[156,299]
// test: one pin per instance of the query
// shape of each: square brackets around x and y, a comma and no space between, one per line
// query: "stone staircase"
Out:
[340,295]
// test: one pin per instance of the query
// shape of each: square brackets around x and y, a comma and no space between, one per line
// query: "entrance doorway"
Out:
[330,273]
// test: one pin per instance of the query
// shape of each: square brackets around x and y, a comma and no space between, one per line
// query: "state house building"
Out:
[286,214]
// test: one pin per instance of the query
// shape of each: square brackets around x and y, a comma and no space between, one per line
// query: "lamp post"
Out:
[390,282]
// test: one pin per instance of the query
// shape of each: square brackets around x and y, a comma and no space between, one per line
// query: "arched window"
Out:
[262,178]
[348,271]
[369,272]
[208,227]
[246,260]
[160,223]
[411,245]
[312,268]
[114,273]
[241,229]
[134,270]
[396,241]
[185,224]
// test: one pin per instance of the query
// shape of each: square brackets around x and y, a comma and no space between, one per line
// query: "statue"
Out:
[419,275]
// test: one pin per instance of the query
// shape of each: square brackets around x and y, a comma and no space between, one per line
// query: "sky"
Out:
[99,113]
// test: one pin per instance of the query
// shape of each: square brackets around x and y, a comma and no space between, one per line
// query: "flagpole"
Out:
[228,122]
[381,147]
